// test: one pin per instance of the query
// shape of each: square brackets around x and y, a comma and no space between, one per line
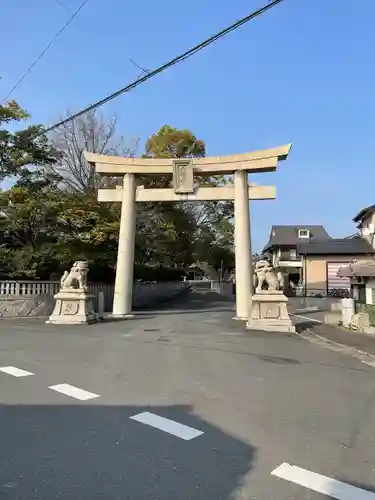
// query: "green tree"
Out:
[23,149]
[46,222]
[170,142]
[210,221]
[28,229]
[27,209]
[88,230]
[166,230]
[44,231]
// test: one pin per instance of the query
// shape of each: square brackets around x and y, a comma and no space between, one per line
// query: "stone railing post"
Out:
[347,311]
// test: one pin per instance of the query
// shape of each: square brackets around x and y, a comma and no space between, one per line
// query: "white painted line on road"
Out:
[306,318]
[311,309]
[369,363]
[74,392]
[165,424]
[322,484]
[16,372]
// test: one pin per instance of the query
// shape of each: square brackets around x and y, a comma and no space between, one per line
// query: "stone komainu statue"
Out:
[76,278]
[266,277]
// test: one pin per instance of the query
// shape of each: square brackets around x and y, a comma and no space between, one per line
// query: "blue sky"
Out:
[302,73]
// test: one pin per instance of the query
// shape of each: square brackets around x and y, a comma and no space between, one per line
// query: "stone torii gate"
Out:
[185,188]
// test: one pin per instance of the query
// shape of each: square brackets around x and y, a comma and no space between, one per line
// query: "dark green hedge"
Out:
[141,272]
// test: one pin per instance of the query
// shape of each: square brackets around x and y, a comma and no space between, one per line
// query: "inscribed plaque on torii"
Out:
[183,176]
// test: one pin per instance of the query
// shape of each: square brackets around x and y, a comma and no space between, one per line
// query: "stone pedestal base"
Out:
[73,307]
[269,312]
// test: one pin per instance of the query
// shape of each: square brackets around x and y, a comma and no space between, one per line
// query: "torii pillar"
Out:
[242,239]
[185,189]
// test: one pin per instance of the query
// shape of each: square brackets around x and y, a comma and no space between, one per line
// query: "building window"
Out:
[293,254]
[303,233]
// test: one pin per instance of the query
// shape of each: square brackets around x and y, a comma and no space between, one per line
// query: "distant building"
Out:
[282,251]
[365,221]
[308,254]
[362,279]
[321,261]
[194,273]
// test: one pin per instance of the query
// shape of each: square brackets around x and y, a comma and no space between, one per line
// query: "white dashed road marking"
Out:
[74,392]
[313,320]
[322,484]
[369,363]
[16,372]
[165,424]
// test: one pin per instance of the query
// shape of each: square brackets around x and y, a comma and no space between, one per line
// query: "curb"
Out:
[311,309]
[336,346]
[10,318]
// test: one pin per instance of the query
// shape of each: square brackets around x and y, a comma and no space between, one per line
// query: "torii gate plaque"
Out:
[185,189]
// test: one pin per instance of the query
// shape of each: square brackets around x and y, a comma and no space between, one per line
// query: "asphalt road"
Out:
[181,404]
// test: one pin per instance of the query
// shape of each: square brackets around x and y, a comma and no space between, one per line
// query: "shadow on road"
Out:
[189,303]
[303,325]
[200,301]
[96,452]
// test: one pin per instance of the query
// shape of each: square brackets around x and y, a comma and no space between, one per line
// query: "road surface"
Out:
[181,404]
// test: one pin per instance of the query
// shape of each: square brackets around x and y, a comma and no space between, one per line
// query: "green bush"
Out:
[157,273]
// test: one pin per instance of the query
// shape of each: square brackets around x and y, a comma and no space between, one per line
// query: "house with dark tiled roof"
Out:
[322,260]
[308,255]
[323,263]
[281,248]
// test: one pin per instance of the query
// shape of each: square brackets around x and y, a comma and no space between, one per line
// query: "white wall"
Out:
[369,286]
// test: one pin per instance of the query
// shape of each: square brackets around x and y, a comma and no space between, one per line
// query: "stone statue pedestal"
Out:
[269,312]
[73,307]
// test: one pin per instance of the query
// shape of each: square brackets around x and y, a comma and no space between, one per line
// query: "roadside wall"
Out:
[223,288]
[144,295]
[319,304]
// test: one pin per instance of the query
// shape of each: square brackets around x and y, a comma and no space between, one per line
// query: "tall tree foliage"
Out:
[50,216]
[25,148]
[26,209]
[90,132]
[210,225]
[168,228]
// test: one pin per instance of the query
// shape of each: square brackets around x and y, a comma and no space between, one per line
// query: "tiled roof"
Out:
[363,269]
[352,236]
[336,246]
[288,235]
[364,212]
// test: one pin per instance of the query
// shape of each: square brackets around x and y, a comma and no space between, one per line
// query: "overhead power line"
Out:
[138,66]
[63,5]
[167,65]
[35,62]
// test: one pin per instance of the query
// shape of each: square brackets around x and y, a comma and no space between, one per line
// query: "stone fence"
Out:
[35,298]
[223,288]
[331,304]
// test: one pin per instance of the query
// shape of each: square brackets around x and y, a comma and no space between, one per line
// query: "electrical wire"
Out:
[160,69]
[63,5]
[35,62]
